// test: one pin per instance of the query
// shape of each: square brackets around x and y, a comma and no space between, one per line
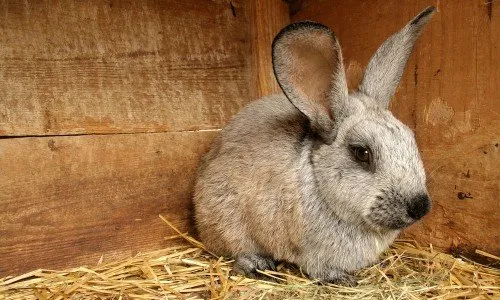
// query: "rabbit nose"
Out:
[419,206]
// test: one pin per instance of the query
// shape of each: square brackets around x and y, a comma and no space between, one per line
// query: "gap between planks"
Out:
[105,133]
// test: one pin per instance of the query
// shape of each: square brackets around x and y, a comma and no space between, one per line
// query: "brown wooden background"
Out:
[449,95]
[106,107]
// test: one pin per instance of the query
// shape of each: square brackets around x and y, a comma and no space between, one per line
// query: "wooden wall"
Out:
[105,109]
[449,95]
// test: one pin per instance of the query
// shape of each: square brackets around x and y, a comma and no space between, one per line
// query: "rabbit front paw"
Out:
[248,264]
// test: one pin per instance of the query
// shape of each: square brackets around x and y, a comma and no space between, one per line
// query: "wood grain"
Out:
[67,201]
[79,67]
[449,95]
[87,91]
[267,18]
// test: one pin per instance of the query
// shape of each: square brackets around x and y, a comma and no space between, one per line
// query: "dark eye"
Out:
[362,154]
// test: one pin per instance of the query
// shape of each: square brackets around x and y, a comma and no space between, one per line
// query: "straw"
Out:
[406,271]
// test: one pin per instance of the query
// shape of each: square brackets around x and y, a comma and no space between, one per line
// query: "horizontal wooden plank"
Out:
[449,95]
[66,201]
[121,66]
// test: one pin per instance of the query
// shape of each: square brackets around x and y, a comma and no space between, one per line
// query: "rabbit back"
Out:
[247,191]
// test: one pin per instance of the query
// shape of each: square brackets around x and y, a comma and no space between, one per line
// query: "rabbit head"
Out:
[366,163]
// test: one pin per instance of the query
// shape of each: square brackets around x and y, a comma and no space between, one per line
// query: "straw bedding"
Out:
[406,271]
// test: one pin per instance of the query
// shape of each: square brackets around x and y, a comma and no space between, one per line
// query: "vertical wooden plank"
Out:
[448,95]
[267,18]
[458,126]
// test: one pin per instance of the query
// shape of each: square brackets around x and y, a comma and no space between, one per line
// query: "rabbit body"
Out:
[315,176]
[256,193]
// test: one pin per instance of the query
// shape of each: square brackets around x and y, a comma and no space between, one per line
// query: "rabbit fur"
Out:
[284,182]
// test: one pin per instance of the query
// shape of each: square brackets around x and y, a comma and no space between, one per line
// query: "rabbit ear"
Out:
[307,63]
[386,67]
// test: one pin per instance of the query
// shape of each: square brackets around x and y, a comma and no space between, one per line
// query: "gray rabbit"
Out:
[316,176]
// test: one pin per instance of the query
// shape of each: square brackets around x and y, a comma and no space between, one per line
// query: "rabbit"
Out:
[315,176]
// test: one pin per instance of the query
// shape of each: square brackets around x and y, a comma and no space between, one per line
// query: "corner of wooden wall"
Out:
[267,18]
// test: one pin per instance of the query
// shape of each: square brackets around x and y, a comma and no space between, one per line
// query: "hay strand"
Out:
[406,271]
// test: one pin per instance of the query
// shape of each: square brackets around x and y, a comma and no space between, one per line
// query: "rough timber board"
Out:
[267,18]
[65,201]
[71,67]
[449,95]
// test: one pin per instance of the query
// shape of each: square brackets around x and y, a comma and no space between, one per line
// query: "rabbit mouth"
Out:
[391,223]
[397,215]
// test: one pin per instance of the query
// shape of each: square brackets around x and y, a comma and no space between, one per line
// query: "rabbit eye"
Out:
[362,154]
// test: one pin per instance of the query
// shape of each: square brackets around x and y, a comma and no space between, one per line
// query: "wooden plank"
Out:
[68,200]
[449,95]
[267,18]
[121,66]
